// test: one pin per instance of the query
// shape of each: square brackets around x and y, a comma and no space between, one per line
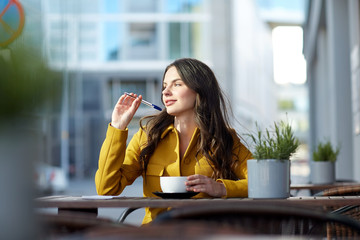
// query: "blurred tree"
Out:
[25,85]
[26,82]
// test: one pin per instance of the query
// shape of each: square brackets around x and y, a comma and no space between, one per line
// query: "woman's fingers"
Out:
[121,99]
[136,103]
[125,110]
[198,182]
[198,179]
[201,183]
[126,99]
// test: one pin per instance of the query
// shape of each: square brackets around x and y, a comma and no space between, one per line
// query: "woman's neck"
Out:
[185,126]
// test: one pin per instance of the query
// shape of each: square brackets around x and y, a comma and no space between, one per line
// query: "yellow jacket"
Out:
[119,166]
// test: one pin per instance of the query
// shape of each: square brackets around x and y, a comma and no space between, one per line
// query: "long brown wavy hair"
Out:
[216,137]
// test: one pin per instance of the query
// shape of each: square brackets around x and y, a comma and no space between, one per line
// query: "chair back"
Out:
[349,190]
[271,219]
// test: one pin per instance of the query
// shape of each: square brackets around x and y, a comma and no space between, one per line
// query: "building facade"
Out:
[331,48]
[102,48]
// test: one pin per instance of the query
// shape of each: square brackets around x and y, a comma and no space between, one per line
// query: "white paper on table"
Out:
[97,197]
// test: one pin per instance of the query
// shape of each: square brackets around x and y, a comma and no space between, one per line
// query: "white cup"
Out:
[173,184]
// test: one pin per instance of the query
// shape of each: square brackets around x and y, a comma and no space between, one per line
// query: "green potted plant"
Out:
[269,171]
[323,163]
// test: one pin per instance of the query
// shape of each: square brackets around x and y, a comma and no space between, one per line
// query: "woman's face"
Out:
[178,98]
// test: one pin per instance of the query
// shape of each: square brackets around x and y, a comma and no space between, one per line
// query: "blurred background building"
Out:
[331,48]
[99,49]
[102,48]
[286,19]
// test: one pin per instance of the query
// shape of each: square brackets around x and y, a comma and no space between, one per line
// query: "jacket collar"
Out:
[167,130]
[172,128]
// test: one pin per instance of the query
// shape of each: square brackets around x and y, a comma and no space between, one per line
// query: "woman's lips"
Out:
[169,102]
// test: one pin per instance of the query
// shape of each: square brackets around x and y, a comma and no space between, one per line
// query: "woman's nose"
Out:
[166,91]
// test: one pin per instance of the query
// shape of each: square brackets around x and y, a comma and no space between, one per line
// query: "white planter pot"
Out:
[322,172]
[268,178]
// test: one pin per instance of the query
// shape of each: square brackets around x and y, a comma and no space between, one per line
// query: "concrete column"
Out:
[323,90]
[354,28]
[221,40]
[320,118]
[340,131]
[314,51]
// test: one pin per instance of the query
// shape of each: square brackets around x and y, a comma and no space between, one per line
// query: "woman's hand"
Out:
[201,183]
[124,110]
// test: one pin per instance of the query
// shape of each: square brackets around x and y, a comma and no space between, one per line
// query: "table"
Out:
[320,187]
[77,202]
[315,188]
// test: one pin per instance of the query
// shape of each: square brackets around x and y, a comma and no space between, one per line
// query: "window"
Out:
[111,6]
[138,87]
[142,6]
[142,42]
[112,41]
[175,40]
[185,40]
[70,6]
[87,35]
[87,56]
[117,87]
[184,6]
[91,95]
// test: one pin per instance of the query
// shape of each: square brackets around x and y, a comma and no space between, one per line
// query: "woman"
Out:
[190,137]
